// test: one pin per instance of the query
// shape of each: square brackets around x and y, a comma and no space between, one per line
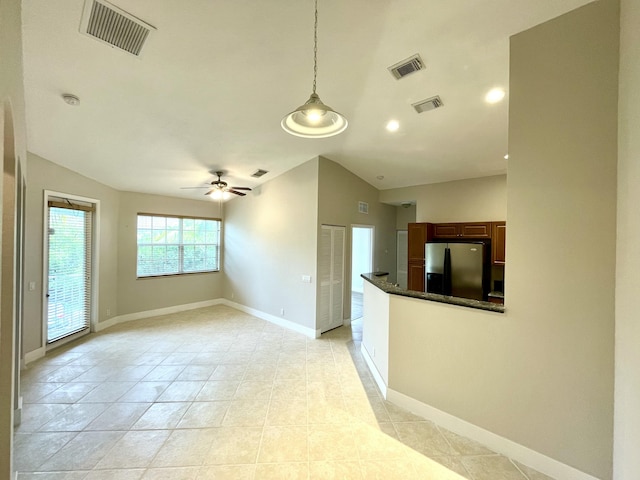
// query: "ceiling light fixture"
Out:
[393,126]
[494,95]
[71,99]
[314,119]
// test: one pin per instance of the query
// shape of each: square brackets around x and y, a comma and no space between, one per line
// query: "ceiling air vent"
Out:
[406,67]
[113,26]
[428,104]
[258,173]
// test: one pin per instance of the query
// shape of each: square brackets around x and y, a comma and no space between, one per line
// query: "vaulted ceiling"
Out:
[216,77]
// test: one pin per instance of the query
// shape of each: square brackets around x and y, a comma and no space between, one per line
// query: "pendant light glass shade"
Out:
[314,119]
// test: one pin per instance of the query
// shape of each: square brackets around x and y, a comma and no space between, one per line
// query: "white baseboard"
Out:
[309,332]
[34,355]
[154,313]
[499,444]
[374,371]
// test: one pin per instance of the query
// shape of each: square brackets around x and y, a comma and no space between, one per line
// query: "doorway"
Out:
[9,381]
[361,262]
[68,267]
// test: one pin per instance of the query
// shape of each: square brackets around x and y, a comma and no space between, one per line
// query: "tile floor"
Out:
[218,394]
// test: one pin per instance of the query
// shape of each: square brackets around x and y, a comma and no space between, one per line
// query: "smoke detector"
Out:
[113,26]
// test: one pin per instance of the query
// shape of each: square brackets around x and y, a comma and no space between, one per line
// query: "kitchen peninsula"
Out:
[425,350]
[394,289]
[404,329]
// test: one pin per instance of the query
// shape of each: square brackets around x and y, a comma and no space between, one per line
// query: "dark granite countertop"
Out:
[433,297]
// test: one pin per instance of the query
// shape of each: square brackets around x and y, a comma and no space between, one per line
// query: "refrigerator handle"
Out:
[446,280]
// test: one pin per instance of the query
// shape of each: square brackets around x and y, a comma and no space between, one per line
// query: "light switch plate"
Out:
[306,278]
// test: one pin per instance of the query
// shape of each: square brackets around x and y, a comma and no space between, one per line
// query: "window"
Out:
[177,245]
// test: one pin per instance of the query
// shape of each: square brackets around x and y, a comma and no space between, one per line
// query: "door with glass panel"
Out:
[69,277]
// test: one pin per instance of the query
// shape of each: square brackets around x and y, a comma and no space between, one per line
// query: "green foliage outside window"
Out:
[175,245]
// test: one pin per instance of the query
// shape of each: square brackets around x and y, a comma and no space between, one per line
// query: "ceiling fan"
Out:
[218,187]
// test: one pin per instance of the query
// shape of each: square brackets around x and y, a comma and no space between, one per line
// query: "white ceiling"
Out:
[216,78]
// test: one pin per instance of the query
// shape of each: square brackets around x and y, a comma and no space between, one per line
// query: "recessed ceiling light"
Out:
[393,125]
[494,95]
[70,99]
[506,157]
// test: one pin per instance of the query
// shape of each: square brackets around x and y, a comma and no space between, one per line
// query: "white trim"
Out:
[34,355]
[374,371]
[309,332]
[509,448]
[155,313]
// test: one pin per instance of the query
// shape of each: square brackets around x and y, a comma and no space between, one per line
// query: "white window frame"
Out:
[180,245]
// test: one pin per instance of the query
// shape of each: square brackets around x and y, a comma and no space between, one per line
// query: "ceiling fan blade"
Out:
[236,192]
[240,188]
[186,188]
[210,191]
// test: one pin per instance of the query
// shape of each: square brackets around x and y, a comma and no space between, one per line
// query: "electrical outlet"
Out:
[32,286]
[282,312]
[108,312]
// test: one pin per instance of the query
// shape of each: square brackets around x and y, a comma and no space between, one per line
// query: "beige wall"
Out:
[561,243]
[270,242]
[627,414]
[118,289]
[339,192]
[541,375]
[473,200]
[139,295]
[45,175]
[405,216]
[13,150]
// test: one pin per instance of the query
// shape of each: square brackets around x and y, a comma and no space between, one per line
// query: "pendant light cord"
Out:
[315,47]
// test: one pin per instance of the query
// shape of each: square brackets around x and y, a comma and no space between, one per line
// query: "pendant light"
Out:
[314,119]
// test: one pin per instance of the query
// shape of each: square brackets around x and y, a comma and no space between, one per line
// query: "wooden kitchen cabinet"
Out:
[462,230]
[498,243]
[418,234]
[415,276]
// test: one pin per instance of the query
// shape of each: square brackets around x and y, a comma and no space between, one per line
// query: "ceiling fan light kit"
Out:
[220,190]
[314,119]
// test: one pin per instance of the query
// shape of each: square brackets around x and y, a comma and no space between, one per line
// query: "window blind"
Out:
[69,280]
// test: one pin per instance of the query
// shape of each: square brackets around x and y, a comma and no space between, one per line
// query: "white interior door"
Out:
[331,277]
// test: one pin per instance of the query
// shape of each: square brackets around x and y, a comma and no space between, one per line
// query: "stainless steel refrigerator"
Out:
[457,269]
